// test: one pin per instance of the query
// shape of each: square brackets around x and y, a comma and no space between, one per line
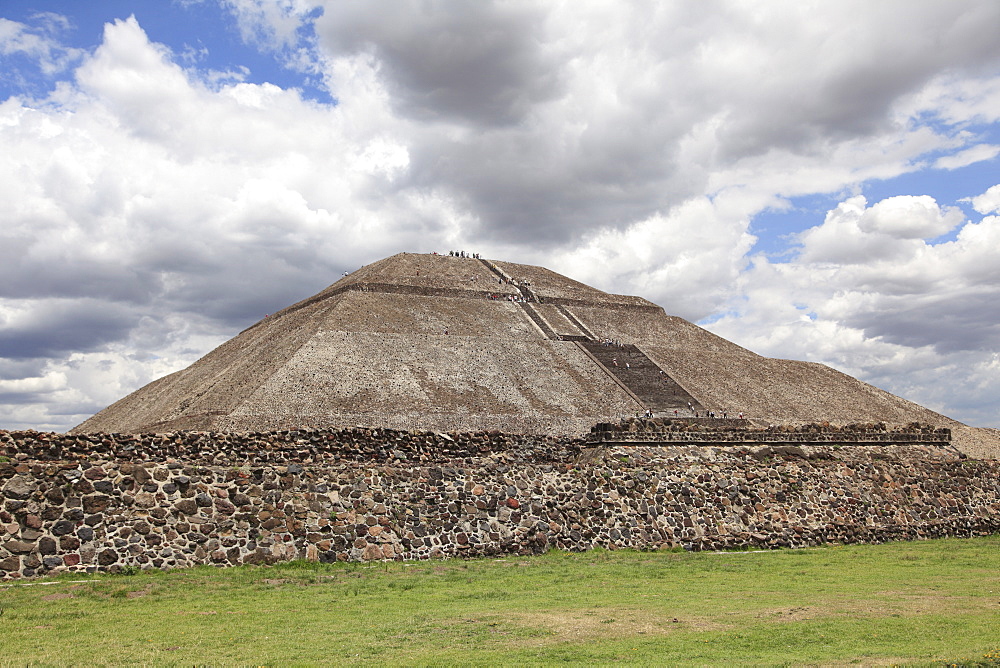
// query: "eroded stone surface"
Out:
[418,342]
[365,494]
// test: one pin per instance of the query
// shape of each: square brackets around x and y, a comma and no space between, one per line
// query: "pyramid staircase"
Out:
[587,334]
[643,379]
[526,294]
[527,298]
[540,321]
[635,373]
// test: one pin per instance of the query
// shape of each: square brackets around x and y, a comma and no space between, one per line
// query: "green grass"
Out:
[920,603]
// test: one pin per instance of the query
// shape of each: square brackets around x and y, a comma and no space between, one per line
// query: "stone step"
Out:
[538,320]
[576,321]
[525,291]
[562,325]
[647,381]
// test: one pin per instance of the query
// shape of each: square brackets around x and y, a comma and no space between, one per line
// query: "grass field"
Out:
[921,603]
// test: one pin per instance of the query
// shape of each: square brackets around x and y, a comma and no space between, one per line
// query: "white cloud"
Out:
[876,301]
[275,21]
[892,230]
[41,44]
[988,202]
[969,156]
[689,259]
[955,99]
[909,217]
[33,385]
[630,146]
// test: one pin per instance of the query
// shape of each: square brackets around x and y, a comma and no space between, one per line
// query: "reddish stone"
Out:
[71,559]
[225,507]
[513,503]
[95,473]
[96,503]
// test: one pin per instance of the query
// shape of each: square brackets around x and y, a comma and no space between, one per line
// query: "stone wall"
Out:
[107,502]
[723,431]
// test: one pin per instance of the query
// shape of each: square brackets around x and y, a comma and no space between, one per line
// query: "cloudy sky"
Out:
[812,180]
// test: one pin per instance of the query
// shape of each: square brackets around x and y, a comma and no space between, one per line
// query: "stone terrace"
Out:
[730,432]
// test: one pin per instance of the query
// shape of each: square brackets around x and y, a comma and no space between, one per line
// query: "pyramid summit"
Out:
[448,343]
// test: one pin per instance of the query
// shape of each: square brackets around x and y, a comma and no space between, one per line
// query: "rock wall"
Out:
[112,502]
[705,431]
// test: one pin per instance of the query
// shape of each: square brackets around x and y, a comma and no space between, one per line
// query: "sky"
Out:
[816,181]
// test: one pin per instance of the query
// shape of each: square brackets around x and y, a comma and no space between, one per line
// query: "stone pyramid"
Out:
[460,344]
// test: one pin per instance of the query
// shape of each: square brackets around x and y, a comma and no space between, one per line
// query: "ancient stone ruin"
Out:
[465,344]
[727,432]
[112,501]
[429,407]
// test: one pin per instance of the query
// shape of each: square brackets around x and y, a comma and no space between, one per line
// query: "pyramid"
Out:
[447,343]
